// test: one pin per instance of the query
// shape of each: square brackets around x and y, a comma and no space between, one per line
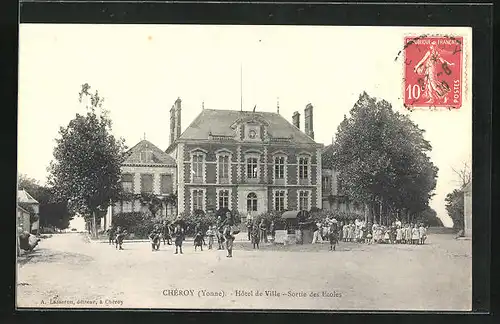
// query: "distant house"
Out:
[27,204]
[146,170]
[23,220]
[468,210]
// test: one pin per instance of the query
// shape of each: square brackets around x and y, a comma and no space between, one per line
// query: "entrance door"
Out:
[252,205]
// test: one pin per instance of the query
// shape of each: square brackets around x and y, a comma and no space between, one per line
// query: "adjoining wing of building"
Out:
[248,161]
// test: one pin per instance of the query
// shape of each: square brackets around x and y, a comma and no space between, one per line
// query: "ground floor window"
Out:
[251,202]
[197,200]
[303,200]
[279,200]
[223,199]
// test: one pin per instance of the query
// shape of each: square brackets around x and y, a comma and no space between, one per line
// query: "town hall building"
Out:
[248,161]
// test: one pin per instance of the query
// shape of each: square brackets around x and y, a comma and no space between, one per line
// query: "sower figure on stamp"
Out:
[179,238]
[427,67]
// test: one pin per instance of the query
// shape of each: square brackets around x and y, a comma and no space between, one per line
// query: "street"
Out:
[67,270]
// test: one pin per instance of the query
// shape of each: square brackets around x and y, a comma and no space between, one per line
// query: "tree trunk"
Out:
[380,212]
[94,225]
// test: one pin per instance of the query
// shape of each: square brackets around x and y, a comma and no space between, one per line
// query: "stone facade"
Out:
[253,163]
[468,210]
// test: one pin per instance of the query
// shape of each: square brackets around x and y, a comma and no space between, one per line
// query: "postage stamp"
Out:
[433,72]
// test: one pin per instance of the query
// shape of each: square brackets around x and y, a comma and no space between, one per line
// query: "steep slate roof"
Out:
[218,122]
[24,197]
[133,156]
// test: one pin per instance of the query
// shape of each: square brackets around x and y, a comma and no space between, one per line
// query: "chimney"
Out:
[177,118]
[296,119]
[308,123]
[172,124]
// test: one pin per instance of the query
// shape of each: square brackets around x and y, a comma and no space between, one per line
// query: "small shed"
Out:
[288,235]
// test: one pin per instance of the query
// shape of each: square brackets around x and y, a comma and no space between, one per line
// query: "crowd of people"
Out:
[222,231]
[361,232]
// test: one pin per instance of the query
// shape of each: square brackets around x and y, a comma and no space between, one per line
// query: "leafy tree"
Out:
[455,207]
[381,157]
[153,202]
[52,212]
[87,160]
[429,218]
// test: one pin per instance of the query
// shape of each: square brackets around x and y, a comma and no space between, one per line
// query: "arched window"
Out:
[251,202]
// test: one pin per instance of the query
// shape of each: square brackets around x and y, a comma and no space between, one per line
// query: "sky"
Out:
[141,70]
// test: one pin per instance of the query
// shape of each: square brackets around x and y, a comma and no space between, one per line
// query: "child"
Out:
[111,234]
[179,238]
[403,234]
[415,235]
[198,241]
[399,235]
[387,237]
[369,238]
[154,237]
[344,232]
[120,235]
[210,233]
[355,233]
[255,236]
[408,234]
[422,233]
[350,232]
[332,236]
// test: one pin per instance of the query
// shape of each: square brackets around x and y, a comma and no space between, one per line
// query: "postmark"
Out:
[433,72]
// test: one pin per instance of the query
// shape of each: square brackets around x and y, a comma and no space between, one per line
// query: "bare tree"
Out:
[464,174]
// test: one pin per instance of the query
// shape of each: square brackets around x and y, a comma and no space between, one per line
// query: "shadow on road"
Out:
[42,255]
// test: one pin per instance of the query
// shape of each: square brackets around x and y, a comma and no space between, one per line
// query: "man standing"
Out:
[228,235]
[249,229]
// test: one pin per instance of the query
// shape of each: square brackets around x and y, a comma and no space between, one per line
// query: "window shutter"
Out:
[166,184]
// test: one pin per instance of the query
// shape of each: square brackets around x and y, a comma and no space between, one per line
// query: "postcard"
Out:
[244,167]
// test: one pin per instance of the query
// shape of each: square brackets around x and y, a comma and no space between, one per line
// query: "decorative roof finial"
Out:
[278,105]
[144,135]
[203,105]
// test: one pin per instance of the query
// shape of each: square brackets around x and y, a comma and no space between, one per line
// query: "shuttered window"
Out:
[147,183]
[166,184]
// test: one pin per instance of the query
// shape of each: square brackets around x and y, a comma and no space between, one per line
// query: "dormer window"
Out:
[146,156]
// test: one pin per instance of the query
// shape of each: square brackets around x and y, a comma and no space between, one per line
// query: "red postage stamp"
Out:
[433,72]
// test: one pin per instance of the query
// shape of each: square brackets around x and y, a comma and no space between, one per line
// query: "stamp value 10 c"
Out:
[433,72]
